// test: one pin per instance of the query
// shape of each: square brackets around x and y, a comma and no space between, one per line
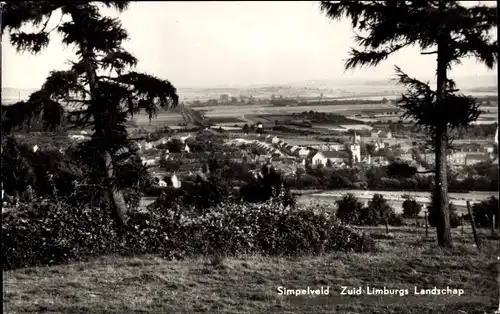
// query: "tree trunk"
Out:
[477,240]
[498,222]
[118,204]
[441,193]
[492,219]
[441,147]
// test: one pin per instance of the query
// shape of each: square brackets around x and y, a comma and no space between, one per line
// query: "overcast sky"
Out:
[228,43]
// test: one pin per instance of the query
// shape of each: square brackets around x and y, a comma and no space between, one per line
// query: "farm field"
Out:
[248,284]
[268,109]
[225,120]
[238,114]
[328,198]
[394,198]
[356,126]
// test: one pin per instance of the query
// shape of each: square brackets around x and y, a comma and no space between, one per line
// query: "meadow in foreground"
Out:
[248,284]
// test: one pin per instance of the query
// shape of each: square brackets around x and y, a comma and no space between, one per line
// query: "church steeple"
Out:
[496,136]
[355,138]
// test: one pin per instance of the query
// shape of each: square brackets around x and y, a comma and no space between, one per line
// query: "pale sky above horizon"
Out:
[230,43]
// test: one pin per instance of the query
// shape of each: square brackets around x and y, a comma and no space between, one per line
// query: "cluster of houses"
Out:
[172,181]
[470,154]
[342,158]
[145,146]
[341,155]
[294,150]
[380,134]
[323,154]
[460,159]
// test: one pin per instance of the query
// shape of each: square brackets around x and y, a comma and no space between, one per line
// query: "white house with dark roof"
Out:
[381,135]
[321,158]
[304,152]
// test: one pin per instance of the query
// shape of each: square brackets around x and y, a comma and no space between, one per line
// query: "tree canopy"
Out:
[100,89]
[445,28]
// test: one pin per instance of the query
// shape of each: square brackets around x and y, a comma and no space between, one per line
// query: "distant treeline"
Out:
[302,101]
[326,102]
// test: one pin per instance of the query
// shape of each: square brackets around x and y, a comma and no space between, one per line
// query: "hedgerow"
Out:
[53,233]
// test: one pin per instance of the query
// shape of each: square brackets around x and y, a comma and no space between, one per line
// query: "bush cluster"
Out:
[396,176]
[486,213]
[411,208]
[351,211]
[49,233]
[266,228]
[52,233]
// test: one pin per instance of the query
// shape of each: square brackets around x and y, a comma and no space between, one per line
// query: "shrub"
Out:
[21,167]
[485,212]
[352,211]
[455,220]
[268,228]
[381,210]
[369,217]
[411,208]
[52,234]
[349,209]
[396,220]
[173,145]
[201,194]
[17,173]
[49,233]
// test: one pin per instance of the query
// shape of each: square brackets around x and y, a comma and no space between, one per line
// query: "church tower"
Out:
[355,149]
[496,136]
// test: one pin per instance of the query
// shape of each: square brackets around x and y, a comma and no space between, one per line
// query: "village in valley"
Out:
[125,191]
[179,144]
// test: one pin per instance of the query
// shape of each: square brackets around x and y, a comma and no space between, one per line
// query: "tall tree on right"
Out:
[445,28]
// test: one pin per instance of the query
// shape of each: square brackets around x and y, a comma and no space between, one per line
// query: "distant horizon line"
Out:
[340,80]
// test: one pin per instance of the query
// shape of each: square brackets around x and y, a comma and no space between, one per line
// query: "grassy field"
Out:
[394,198]
[249,284]
[221,120]
[266,114]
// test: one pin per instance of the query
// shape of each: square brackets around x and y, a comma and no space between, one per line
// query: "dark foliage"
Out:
[349,209]
[486,213]
[378,212]
[103,101]
[411,208]
[453,32]
[322,117]
[482,177]
[401,170]
[173,146]
[53,234]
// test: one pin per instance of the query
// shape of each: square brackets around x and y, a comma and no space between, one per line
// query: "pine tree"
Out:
[101,82]
[454,32]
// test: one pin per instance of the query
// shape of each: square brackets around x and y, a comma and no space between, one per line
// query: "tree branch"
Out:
[58,23]
[46,22]
[371,57]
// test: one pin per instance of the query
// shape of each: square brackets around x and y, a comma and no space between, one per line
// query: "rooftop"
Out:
[335,154]
[478,156]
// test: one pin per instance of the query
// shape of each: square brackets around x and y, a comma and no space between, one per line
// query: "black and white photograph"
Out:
[250,157]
